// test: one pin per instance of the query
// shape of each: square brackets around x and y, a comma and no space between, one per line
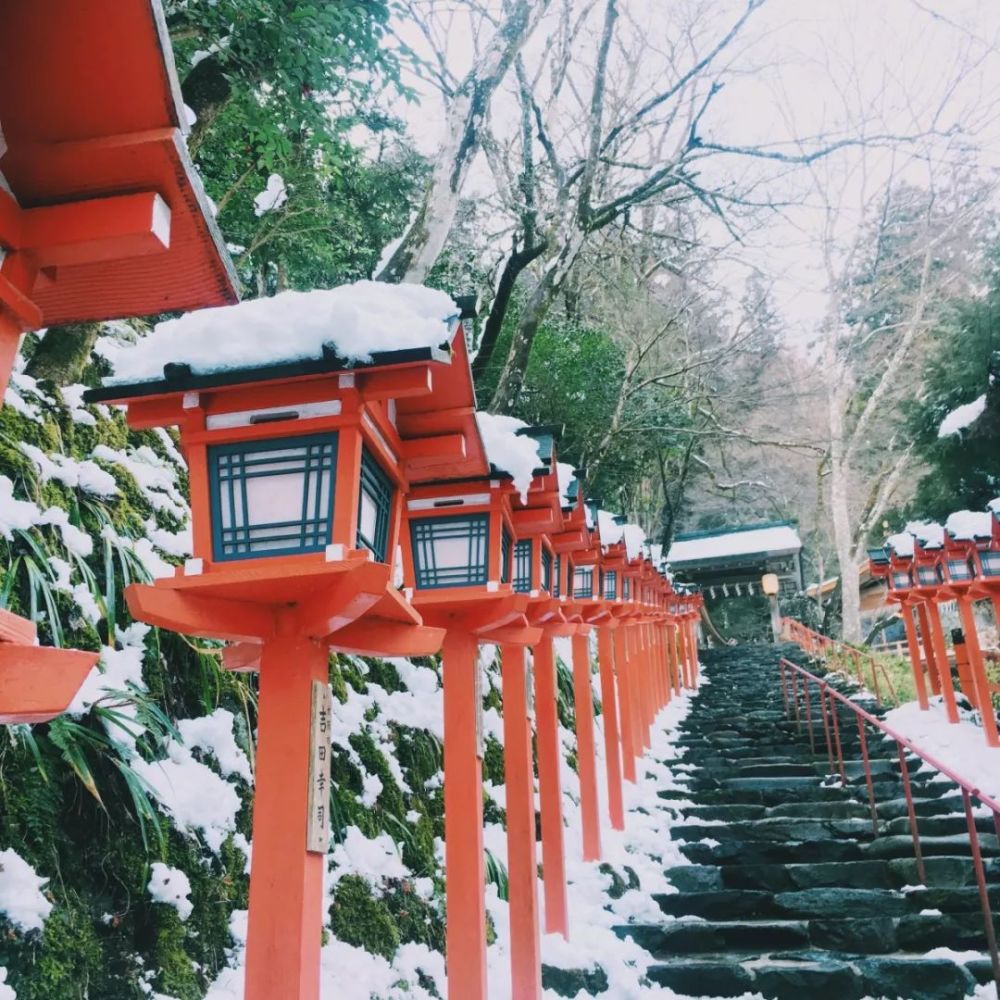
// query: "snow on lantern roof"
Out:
[508,450]
[611,530]
[969,525]
[930,534]
[901,544]
[751,540]
[994,505]
[962,417]
[635,539]
[352,321]
[566,475]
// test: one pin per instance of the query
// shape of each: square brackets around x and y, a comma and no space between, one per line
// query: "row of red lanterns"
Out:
[306,478]
[928,565]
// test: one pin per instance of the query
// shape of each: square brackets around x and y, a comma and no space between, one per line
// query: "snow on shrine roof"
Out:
[969,525]
[752,540]
[511,452]
[930,534]
[610,530]
[352,321]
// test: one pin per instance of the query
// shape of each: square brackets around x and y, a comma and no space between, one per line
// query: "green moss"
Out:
[384,674]
[176,976]
[358,918]
[67,963]
[416,919]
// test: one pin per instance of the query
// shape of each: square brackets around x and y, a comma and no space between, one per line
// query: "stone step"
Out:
[863,935]
[779,829]
[941,872]
[794,852]
[814,975]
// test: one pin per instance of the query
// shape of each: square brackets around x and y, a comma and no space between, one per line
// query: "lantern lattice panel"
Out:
[272,497]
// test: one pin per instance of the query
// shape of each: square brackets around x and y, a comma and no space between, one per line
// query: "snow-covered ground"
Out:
[960,747]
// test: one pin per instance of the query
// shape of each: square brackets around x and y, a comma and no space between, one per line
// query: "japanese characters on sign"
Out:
[318,827]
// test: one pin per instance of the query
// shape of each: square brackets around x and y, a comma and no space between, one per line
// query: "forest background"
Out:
[741,256]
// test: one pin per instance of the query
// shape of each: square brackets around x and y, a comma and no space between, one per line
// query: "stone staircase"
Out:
[788,892]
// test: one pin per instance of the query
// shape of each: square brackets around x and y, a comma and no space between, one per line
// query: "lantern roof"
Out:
[90,109]
[509,450]
[427,377]
[901,545]
[928,535]
[969,526]
[348,325]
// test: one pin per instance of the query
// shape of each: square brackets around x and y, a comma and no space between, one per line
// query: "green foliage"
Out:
[962,363]
[358,918]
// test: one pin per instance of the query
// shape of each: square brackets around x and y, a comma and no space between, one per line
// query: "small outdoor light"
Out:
[770,585]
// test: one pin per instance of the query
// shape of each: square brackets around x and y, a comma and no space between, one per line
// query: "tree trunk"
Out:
[63,353]
[425,237]
[840,512]
[516,263]
[508,390]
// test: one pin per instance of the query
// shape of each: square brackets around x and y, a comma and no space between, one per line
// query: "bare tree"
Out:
[467,105]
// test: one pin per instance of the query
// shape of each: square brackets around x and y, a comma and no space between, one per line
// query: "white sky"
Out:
[808,67]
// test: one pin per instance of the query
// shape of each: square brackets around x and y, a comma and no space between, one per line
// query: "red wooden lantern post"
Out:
[988,582]
[298,472]
[581,570]
[965,535]
[101,217]
[915,578]
[457,559]
[574,537]
[879,561]
[637,665]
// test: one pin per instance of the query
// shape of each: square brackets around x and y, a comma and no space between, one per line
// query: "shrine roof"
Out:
[775,538]
[90,108]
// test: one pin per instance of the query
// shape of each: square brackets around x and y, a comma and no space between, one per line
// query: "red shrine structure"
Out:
[299,474]
[102,216]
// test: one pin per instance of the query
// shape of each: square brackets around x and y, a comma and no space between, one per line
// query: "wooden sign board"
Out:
[318,827]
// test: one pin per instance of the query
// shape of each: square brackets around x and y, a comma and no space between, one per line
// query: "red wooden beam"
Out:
[96,230]
[38,683]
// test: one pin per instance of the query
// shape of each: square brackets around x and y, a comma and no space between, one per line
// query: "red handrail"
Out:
[817,644]
[969,791]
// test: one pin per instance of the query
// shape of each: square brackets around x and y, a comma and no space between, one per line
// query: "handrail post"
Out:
[984,895]
[826,726]
[868,772]
[809,717]
[911,812]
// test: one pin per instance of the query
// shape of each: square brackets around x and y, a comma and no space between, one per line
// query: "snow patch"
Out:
[214,734]
[274,195]
[961,417]
[21,897]
[356,321]
[516,454]
[171,886]
[969,525]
